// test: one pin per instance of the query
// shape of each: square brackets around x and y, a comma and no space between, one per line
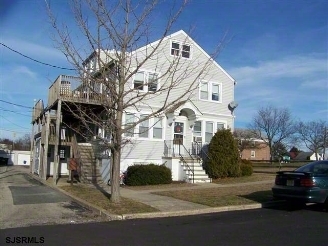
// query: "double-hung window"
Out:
[219,126]
[144,127]
[138,82]
[129,121]
[146,81]
[178,49]
[209,131]
[152,82]
[210,91]
[198,129]
[204,90]
[158,128]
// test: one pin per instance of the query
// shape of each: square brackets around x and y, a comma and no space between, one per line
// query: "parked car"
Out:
[306,184]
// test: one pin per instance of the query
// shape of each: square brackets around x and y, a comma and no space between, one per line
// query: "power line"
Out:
[11,111]
[16,104]
[6,130]
[43,63]
[13,122]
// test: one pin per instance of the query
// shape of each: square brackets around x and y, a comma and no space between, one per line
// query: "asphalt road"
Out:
[247,228]
[24,202]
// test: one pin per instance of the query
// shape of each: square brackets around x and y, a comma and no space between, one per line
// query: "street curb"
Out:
[83,203]
[112,217]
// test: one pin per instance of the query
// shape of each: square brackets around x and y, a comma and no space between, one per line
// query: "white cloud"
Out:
[320,84]
[34,50]
[295,82]
[287,67]
[24,71]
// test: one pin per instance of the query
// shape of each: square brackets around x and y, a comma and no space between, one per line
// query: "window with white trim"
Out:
[210,91]
[146,81]
[129,120]
[253,153]
[219,126]
[178,49]
[144,127]
[198,128]
[209,131]
[157,128]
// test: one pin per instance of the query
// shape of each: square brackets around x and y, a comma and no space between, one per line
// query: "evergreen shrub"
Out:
[246,167]
[150,174]
[223,156]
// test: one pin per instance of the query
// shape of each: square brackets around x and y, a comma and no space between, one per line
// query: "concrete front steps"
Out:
[90,171]
[196,167]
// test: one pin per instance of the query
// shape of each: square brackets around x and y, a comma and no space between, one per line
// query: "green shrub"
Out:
[246,167]
[223,156]
[151,174]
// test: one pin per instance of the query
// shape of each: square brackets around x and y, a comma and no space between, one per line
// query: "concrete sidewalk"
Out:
[167,206]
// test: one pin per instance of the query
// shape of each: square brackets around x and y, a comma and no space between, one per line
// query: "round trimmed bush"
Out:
[150,174]
[246,167]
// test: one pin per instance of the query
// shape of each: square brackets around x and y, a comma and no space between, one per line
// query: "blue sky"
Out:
[277,52]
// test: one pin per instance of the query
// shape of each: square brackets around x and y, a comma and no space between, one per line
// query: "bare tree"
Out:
[246,140]
[314,135]
[23,143]
[113,31]
[272,125]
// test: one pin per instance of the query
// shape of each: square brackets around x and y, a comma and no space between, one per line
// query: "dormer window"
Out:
[178,49]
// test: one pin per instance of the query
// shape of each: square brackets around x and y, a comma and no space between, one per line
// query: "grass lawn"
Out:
[223,196]
[234,195]
[101,199]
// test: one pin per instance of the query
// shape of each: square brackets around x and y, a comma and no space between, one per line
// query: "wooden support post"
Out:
[32,160]
[46,146]
[56,157]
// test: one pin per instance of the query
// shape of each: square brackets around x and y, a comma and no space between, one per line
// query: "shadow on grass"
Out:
[259,196]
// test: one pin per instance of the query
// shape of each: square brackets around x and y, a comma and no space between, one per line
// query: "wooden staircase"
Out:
[89,168]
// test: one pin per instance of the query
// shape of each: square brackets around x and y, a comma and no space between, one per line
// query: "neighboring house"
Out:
[172,139]
[307,156]
[258,151]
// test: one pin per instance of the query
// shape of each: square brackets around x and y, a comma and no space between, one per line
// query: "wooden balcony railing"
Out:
[74,89]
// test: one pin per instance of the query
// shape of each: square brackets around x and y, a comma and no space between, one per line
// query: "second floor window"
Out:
[210,91]
[146,81]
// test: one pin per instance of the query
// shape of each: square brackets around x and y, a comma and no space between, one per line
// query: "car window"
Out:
[320,169]
[305,168]
[316,168]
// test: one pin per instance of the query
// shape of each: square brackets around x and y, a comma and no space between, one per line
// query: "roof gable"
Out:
[181,32]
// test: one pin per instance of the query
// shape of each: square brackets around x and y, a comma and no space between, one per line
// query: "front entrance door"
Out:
[178,138]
